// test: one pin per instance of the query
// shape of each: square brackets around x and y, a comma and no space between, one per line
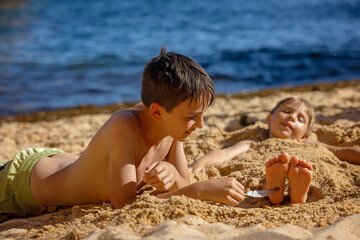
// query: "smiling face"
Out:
[184,119]
[289,121]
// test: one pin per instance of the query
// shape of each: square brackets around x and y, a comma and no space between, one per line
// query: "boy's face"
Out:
[289,121]
[184,119]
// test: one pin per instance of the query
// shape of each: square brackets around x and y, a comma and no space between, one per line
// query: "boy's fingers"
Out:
[233,183]
[163,185]
[168,185]
[239,185]
[157,178]
[151,166]
[152,180]
[163,174]
[159,175]
[237,196]
[239,191]
[232,201]
[168,179]
[154,170]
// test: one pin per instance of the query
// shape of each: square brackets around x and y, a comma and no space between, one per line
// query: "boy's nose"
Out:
[200,122]
[291,117]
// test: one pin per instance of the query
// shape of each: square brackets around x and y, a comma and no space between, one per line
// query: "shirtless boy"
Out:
[291,118]
[135,146]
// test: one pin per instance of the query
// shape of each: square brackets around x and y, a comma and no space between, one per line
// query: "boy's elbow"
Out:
[116,204]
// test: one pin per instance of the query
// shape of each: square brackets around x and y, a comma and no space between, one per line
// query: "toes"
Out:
[294,161]
[309,167]
[305,164]
[301,162]
[285,157]
[271,161]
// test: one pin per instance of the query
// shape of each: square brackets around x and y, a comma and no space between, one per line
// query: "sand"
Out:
[331,212]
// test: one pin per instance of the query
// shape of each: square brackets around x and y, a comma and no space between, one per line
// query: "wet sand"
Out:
[332,209]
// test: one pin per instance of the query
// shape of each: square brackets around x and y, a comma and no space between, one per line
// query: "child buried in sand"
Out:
[291,118]
[134,146]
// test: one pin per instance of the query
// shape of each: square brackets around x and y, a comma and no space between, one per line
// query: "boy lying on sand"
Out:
[291,118]
[132,147]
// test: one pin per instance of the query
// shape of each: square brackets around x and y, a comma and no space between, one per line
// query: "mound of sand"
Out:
[331,212]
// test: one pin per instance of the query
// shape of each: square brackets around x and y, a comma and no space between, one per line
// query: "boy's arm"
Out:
[222,190]
[218,156]
[169,175]
[122,171]
[348,154]
[177,158]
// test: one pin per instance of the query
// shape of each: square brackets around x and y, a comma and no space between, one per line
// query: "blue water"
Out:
[60,54]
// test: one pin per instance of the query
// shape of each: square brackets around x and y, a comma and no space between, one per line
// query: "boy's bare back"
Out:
[117,154]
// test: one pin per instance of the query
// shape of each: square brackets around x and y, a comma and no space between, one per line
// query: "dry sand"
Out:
[331,212]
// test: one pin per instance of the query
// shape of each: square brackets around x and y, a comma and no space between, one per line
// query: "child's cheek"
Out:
[190,124]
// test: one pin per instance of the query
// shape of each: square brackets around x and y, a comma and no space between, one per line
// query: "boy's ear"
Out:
[268,118]
[156,111]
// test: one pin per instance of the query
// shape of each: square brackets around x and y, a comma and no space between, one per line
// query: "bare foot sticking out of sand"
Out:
[300,175]
[276,174]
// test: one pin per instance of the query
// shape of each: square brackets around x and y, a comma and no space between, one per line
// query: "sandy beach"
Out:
[331,212]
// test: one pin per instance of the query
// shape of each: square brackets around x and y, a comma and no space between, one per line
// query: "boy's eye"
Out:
[301,119]
[192,118]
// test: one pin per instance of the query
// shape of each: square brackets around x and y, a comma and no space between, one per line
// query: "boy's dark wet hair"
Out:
[300,101]
[171,78]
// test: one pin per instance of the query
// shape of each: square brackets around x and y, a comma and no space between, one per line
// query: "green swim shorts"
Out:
[15,195]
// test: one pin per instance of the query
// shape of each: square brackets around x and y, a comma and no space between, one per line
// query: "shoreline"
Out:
[110,108]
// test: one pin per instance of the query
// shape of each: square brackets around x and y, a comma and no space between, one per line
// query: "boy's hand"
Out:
[161,175]
[223,190]
[197,166]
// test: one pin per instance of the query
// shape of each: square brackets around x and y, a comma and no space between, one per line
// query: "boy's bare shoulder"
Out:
[127,114]
[125,121]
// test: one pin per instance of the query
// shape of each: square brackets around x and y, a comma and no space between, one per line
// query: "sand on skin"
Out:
[333,207]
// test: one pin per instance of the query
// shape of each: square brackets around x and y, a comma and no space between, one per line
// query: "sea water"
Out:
[61,54]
